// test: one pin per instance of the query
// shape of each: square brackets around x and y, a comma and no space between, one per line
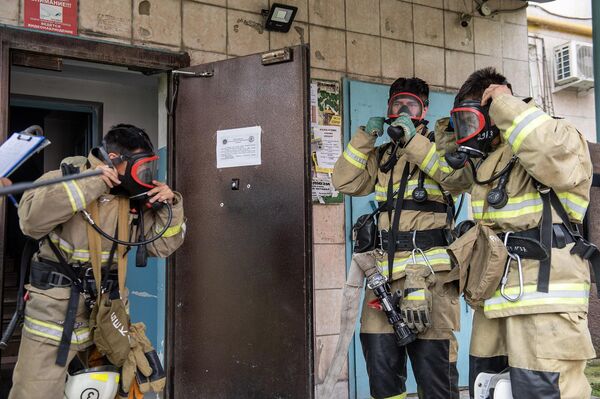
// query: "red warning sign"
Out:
[58,16]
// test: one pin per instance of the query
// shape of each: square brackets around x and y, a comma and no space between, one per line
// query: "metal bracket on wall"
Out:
[277,56]
[190,74]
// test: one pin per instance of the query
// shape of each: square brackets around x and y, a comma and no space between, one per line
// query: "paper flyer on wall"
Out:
[326,144]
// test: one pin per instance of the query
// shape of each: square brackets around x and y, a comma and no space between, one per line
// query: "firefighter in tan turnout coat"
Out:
[533,186]
[411,164]
[52,214]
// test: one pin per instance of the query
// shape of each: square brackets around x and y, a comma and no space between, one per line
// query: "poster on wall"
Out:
[326,135]
[59,16]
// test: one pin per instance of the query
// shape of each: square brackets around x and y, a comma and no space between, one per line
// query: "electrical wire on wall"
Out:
[540,87]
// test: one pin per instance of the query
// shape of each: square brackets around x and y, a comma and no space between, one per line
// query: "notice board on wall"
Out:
[326,138]
[59,16]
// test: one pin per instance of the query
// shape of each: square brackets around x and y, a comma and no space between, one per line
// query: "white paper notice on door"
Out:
[239,147]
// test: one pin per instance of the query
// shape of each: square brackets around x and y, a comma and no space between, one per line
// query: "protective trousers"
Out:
[546,353]
[433,355]
[36,374]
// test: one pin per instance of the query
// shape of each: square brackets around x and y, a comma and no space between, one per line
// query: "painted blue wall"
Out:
[361,101]
[147,286]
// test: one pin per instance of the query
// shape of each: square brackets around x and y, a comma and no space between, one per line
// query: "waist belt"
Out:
[46,274]
[423,239]
[527,244]
[426,206]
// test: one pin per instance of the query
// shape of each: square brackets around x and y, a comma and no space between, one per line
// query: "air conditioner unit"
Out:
[573,66]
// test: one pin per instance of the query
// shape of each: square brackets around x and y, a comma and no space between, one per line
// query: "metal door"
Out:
[242,289]
[364,100]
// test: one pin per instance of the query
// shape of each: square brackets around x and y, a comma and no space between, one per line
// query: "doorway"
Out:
[71,127]
[74,106]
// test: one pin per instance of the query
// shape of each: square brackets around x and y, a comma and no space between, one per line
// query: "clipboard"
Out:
[18,149]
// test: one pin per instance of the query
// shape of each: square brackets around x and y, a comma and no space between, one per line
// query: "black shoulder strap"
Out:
[394,225]
[69,323]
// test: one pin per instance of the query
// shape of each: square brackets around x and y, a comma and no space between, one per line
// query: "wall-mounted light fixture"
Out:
[280,17]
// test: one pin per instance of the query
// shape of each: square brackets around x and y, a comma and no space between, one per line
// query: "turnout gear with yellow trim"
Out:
[534,323]
[55,212]
[394,172]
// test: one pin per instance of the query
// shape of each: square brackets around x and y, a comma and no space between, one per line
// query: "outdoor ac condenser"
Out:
[573,66]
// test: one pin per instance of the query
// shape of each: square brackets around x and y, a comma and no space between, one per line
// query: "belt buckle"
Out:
[59,280]
[380,233]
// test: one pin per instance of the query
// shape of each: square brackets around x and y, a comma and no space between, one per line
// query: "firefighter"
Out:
[532,178]
[53,215]
[411,164]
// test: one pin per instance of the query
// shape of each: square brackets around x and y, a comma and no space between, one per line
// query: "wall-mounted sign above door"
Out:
[58,16]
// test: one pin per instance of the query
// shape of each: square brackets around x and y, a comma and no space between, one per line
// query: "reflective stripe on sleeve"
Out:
[430,164]
[524,124]
[355,157]
[171,231]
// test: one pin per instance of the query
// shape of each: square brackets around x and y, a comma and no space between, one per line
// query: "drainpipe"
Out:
[596,38]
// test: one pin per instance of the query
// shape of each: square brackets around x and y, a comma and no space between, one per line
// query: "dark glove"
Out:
[416,301]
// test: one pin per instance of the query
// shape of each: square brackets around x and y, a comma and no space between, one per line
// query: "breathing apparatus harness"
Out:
[134,186]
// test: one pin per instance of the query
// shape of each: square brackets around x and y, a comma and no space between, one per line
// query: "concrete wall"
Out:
[575,105]
[370,40]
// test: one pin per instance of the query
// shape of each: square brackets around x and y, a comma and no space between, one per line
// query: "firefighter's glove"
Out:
[156,379]
[406,126]
[416,298]
[375,126]
[136,362]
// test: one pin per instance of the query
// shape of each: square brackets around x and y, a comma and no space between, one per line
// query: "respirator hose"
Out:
[91,221]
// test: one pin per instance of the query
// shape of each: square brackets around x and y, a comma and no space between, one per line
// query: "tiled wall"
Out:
[371,40]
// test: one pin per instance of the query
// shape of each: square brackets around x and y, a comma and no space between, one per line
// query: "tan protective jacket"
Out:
[54,211]
[357,173]
[555,154]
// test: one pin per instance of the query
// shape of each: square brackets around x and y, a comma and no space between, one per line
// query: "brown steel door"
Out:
[241,286]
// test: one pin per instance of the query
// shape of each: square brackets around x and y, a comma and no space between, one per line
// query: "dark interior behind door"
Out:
[242,284]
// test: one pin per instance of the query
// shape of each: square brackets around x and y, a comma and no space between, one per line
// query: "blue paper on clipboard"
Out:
[18,149]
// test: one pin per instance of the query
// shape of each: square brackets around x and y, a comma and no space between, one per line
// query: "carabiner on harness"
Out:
[420,252]
[516,258]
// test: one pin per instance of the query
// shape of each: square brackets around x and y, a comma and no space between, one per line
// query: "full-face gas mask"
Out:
[474,132]
[141,170]
[404,103]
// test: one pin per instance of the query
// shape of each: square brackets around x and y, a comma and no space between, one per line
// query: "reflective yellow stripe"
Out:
[401,396]
[356,152]
[523,125]
[54,332]
[558,294]
[354,162]
[171,231]
[430,163]
[435,256]
[515,207]
[71,199]
[518,120]
[530,127]
[80,193]
[418,295]
[575,205]
[499,214]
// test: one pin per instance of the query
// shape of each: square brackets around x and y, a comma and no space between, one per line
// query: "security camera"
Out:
[465,20]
